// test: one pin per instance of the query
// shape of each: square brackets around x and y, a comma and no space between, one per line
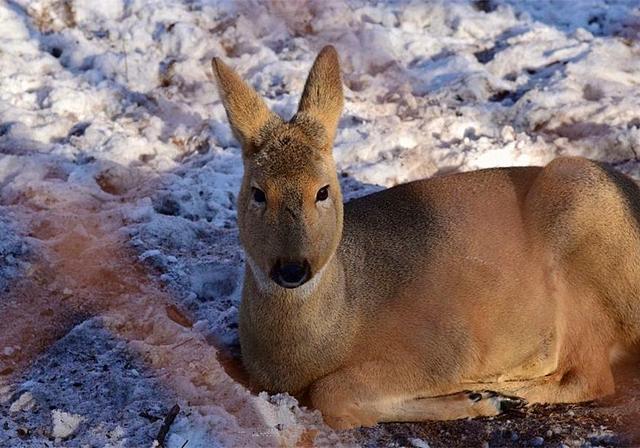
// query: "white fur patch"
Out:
[265,284]
[310,287]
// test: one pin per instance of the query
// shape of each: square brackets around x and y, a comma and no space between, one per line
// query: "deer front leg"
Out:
[577,384]
[374,393]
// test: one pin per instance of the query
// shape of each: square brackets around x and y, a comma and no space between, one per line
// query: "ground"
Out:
[120,268]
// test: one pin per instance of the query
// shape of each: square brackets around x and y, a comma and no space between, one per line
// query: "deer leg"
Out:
[373,393]
[370,393]
[574,385]
[460,405]
[584,377]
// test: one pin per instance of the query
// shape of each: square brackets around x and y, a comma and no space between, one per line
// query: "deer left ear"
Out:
[322,98]
[247,112]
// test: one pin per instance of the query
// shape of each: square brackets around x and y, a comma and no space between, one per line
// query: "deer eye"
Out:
[258,195]
[322,194]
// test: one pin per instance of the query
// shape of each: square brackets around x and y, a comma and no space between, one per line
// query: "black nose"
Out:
[291,274]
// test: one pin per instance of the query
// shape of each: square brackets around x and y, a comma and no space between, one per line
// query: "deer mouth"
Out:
[291,274]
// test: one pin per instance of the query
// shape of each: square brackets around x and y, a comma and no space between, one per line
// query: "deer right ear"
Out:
[246,111]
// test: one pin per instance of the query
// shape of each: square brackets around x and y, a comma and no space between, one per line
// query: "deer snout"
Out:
[291,274]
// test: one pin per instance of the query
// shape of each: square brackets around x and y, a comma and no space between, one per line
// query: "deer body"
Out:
[518,281]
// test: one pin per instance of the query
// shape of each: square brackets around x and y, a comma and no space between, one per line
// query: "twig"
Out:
[182,343]
[184,444]
[166,425]
[126,65]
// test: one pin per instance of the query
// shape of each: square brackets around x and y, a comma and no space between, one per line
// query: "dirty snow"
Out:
[115,153]
[64,424]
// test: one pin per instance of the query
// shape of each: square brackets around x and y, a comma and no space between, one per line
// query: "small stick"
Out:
[126,65]
[166,425]
[182,343]
[184,444]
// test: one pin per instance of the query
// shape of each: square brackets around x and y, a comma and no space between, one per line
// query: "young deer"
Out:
[393,307]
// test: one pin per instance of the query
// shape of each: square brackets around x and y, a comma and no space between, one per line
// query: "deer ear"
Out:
[247,112]
[322,97]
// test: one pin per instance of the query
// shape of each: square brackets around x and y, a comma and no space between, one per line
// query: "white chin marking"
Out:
[266,285]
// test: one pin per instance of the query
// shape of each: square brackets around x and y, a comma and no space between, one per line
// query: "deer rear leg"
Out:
[371,394]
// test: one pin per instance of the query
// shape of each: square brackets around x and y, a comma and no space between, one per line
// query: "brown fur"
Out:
[521,281]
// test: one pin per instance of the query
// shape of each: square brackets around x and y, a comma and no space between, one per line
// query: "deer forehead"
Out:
[288,159]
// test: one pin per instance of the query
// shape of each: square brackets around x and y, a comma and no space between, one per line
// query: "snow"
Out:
[64,424]
[419,443]
[25,401]
[115,152]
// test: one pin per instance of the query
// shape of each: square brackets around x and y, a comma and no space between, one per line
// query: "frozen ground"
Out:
[119,261]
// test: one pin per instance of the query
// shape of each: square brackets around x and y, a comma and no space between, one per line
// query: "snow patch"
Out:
[419,443]
[64,424]
[23,403]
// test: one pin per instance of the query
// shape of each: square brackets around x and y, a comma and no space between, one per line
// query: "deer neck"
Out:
[292,337]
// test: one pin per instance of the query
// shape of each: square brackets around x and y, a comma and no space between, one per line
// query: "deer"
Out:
[459,296]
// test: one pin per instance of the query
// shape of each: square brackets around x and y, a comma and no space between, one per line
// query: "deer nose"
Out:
[291,274]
